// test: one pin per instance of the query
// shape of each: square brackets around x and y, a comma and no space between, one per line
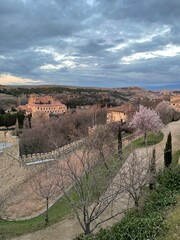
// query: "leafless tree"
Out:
[101,140]
[86,174]
[57,131]
[166,111]
[134,175]
[44,186]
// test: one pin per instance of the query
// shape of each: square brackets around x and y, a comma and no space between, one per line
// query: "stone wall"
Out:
[53,154]
[13,151]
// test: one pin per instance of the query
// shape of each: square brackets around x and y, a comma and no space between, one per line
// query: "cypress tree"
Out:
[168,151]
[152,170]
[120,142]
[17,127]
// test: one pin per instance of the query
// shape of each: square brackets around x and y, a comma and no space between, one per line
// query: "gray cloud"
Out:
[89,43]
[93,47]
[163,11]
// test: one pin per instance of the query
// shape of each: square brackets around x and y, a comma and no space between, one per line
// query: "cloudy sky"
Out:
[102,43]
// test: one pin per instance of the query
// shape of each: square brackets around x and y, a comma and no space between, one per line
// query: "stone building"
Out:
[43,104]
[175,102]
[121,113]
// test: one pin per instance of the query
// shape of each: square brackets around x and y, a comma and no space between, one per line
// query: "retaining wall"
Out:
[53,154]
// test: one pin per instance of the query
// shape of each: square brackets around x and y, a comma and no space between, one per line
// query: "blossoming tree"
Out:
[146,120]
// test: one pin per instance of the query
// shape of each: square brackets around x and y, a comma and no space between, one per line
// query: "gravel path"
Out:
[69,228]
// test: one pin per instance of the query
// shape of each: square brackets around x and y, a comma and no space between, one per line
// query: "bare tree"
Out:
[134,175]
[89,178]
[101,140]
[166,111]
[44,186]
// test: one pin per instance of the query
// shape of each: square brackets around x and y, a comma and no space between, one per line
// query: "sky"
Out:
[94,43]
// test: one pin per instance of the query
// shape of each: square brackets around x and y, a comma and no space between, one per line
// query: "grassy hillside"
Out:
[173,223]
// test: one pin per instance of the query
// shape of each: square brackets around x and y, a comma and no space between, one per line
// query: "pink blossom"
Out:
[146,120]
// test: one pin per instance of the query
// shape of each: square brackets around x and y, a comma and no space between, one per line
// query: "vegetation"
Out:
[9,119]
[172,223]
[46,90]
[58,131]
[152,138]
[57,213]
[173,214]
[61,209]
[146,120]
[152,170]
[166,111]
[168,151]
[120,142]
[150,222]
[175,158]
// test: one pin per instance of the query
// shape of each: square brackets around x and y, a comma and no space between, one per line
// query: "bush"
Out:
[170,179]
[138,226]
[159,200]
[148,223]
[82,236]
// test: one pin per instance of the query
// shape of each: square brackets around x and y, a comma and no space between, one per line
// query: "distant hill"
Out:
[7,101]
[129,89]
[74,96]
[49,86]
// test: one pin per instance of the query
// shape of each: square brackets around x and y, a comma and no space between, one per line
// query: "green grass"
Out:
[173,214]
[175,158]
[152,138]
[58,212]
[61,209]
[172,223]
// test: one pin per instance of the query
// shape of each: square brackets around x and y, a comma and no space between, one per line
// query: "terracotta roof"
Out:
[53,104]
[44,99]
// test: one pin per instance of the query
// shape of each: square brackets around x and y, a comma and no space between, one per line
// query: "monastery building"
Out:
[43,104]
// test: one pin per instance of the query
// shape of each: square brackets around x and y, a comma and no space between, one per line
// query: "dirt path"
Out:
[69,228]
[64,230]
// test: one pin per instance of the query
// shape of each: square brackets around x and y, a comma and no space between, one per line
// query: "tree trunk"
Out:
[136,203]
[145,139]
[87,229]
[104,161]
[151,186]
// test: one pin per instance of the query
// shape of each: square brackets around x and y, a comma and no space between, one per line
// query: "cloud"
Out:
[6,79]
[167,51]
[87,42]
[141,11]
